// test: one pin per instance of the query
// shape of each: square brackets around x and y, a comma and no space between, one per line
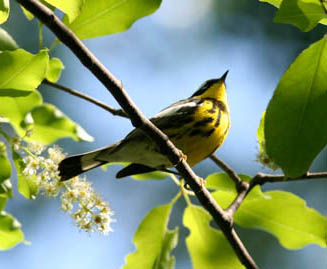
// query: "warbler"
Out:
[197,126]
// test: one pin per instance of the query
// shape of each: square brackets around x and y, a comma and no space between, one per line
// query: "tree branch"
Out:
[113,111]
[67,37]
[238,199]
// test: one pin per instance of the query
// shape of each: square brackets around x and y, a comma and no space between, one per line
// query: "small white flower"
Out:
[35,147]
[77,196]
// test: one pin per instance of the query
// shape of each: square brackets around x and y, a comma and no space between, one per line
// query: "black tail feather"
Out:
[134,169]
[70,167]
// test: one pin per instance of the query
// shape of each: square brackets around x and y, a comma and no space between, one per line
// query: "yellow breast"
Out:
[205,133]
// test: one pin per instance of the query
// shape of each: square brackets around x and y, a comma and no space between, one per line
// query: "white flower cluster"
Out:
[92,212]
[44,168]
[77,196]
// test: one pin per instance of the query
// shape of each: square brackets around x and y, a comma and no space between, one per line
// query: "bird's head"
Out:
[213,88]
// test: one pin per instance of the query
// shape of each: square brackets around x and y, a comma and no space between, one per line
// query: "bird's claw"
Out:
[202,182]
[182,156]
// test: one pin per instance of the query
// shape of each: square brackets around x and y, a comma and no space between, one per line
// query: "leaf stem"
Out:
[174,200]
[40,35]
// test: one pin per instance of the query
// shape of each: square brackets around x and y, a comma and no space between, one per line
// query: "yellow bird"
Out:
[197,126]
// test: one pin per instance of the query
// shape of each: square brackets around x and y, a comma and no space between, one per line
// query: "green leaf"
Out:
[282,214]
[15,109]
[6,41]
[54,70]
[3,202]
[156,175]
[99,18]
[296,122]
[10,232]
[5,173]
[4,10]
[262,155]
[165,260]
[30,16]
[261,133]
[27,14]
[26,185]
[50,124]
[207,246]
[152,240]
[151,175]
[22,70]
[304,14]
[71,8]
[275,3]
[222,182]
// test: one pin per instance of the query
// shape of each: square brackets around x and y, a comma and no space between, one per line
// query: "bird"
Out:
[197,126]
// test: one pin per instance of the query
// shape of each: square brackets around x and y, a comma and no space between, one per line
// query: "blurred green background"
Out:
[161,59]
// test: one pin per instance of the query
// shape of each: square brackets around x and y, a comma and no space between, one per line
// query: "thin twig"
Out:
[166,147]
[260,179]
[113,111]
[224,166]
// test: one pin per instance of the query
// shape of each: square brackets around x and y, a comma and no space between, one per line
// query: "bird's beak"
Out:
[223,77]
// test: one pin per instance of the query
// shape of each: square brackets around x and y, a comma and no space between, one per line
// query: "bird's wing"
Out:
[177,114]
[171,117]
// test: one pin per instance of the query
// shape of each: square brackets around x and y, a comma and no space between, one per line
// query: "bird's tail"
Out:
[75,165]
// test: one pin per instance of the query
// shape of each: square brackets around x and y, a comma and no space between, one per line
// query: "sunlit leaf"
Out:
[222,182]
[262,155]
[10,232]
[275,3]
[54,70]
[6,41]
[15,109]
[22,70]
[283,214]
[304,14]
[153,241]
[151,175]
[71,8]
[5,173]
[166,260]
[296,122]
[207,246]
[30,16]
[26,185]
[99,18]
[3,202]
[261,133]
[27,14]
[4,10]
[156,175]
[50,124]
